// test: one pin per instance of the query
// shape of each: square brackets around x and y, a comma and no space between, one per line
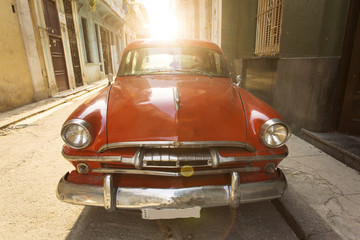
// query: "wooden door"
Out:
[56,47]
[350,116]
[73,43]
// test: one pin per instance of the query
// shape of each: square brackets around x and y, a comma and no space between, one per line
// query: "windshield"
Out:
[174,60]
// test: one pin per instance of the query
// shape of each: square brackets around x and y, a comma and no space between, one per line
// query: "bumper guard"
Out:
[137,198]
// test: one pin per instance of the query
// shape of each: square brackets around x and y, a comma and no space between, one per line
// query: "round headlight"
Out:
[76,133]
[274,133]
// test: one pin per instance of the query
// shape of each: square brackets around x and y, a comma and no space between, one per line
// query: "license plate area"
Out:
[170,213]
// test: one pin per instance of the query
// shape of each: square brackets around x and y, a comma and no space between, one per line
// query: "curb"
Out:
[302,218]
[18,114]
[333,150]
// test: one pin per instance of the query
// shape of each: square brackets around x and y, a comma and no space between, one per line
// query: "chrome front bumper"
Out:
[137,198]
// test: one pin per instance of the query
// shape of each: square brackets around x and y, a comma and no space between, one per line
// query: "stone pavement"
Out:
[319,182]
[23,112]
[323,197]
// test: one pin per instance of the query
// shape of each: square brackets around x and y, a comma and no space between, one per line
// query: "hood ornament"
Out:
[176,99]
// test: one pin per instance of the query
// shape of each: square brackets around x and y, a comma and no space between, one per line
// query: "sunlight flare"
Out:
[163,23]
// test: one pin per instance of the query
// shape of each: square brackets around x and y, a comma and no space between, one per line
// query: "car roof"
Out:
[171,43]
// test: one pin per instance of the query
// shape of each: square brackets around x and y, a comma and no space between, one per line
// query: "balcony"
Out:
[116,6]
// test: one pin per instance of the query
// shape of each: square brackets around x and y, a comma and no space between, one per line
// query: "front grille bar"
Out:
[175,158]
[174,174]
[177,144]
[149,158]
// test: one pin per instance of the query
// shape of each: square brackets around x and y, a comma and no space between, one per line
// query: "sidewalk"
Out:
[323,197]
[321,183]
[23,112]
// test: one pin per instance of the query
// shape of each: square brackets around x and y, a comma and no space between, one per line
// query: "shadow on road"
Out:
[250,221]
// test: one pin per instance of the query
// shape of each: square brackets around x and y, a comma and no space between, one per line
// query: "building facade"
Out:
[101,30]
[201,19]
[137,20]
[62,45]
[21,74]
[291,55]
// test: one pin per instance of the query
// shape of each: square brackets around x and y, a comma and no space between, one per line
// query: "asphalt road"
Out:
[251,221]
[31,166]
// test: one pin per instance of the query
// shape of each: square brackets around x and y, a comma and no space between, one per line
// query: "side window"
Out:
[134,62]
[127,65]
[218,63]
[128,57]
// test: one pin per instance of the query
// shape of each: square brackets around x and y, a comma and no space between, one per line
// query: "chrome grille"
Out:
[176,157]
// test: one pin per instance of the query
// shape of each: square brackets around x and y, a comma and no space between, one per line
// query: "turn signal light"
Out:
[82,168]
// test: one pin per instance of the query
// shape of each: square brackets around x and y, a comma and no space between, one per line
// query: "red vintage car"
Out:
[173,134]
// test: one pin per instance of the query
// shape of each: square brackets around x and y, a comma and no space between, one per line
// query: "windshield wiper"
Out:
[194,70]
[175,70]
[153,71]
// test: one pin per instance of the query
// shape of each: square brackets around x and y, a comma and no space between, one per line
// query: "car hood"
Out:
[144,109]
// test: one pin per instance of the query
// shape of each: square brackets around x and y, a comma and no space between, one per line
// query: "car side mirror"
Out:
[238,80]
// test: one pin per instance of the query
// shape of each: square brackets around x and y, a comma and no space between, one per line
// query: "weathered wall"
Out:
[101,17]
[238,32]
[15,83]
[246,33]
[261,77]
[92,72]
[229,28]
[313,28]
[29,40]
[304,92]
[39,47]
[309,28]
[300,82]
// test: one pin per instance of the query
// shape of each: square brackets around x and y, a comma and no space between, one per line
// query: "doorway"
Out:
[56,46]
[73,43]
[350,111]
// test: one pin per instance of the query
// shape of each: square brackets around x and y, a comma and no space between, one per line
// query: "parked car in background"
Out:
[173,134]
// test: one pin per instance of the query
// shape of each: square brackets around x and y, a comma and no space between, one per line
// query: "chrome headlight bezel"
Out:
[266,126]
[84,125]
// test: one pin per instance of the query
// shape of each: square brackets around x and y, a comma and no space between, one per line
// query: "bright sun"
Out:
[163,23]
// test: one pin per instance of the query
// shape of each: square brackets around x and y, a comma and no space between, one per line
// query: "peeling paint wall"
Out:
[39,50]
[15,82]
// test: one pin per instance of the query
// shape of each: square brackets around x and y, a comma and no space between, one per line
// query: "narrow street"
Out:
[300,58]
[32,165]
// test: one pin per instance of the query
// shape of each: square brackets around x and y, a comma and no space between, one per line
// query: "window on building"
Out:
[86,39]
[268,29]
